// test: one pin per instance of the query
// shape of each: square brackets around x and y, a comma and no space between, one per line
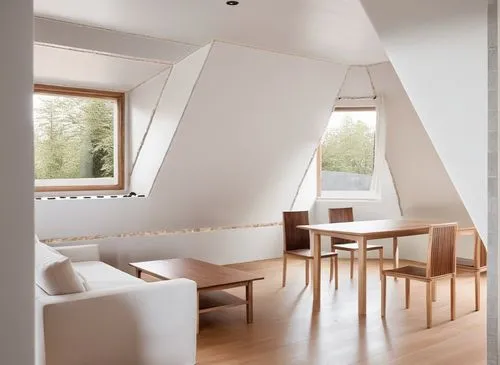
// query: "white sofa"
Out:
[118,320]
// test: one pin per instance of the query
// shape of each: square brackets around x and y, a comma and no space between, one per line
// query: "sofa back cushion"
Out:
[54,272]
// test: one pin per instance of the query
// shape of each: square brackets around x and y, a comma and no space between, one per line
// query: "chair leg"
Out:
[382,304]
[452,298]
[478,289]
[434,291]
[381,261]
[407,296]
[428,299]
[336,272]
[352,264]
[331,268]
[307,272]
[284,270]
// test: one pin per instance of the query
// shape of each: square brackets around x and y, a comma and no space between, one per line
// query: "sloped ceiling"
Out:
[75,68]
[438,50]
[337,30]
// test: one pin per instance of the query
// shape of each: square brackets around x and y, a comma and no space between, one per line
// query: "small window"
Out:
[346,157]
[78,139]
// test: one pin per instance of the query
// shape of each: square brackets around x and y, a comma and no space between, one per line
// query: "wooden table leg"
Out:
[362,277]
[395,254]
[249,297]
[139,272]
[316,272]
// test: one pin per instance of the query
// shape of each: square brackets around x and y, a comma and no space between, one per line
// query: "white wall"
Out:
[238,157]
[16,164]
[172,104]
[439,51]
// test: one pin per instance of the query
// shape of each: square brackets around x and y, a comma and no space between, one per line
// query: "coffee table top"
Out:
[205,275]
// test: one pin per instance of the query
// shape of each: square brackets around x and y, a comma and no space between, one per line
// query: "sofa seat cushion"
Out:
[99,275]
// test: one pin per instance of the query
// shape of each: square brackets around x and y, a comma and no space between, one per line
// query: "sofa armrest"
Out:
[80,253]
[147,324]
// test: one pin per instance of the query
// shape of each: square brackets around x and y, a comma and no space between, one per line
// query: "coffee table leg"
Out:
[139,272]
[197,312]
[249,297]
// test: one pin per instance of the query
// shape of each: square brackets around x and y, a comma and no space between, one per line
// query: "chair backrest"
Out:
[340,215]
[293,237]
[480,254]
[442,250]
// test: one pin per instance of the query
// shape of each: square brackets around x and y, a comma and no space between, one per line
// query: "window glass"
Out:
[76,140]
[347,150]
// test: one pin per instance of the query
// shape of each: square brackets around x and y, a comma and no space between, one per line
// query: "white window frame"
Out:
[375,191]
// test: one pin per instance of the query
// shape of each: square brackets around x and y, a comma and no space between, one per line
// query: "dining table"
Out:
[361,232]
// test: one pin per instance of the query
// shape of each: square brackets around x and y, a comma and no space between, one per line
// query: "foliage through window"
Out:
[77,136]
[347,151]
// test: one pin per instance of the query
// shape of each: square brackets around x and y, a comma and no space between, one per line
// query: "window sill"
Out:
[91,197]
[351,196]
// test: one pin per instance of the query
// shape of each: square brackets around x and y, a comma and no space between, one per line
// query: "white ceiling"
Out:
[58,66]
[337,30]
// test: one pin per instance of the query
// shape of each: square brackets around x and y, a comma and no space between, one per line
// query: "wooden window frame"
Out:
[120,102]
[319,186]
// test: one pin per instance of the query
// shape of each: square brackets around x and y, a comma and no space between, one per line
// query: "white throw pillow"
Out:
[54,273]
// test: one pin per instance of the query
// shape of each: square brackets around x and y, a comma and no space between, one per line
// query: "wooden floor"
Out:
[286,332]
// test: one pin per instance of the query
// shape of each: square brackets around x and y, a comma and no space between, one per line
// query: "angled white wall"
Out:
[16,163]
[438,50]
[241,150]
[173,101]
[424,187]
[142,102]
[247,136]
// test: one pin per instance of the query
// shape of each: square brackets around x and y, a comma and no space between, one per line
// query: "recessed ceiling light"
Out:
[232,3]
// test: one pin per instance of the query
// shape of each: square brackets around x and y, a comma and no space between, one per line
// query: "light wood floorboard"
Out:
[286,332]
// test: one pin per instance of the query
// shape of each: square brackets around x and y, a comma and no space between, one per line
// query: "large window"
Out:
[346,155]
[78,137]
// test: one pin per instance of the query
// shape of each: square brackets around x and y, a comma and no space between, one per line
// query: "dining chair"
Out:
[477,264]
[341,215]
[441,264]
[296,242]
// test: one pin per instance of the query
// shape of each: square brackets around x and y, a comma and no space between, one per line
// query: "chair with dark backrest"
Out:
[477,264]
[296,242]
[441,264]
[341,215]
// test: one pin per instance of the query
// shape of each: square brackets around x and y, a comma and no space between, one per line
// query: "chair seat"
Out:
[462,261]
[309,253]
[468,265]
[355,247]
[407,272]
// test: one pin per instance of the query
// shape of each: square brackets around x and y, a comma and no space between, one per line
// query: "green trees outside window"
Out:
[348,150]
[74,136]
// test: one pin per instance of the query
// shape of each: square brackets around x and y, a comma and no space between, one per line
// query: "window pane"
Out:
[348,151]
[74,136]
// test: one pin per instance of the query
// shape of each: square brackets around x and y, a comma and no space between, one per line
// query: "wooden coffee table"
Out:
[210,279]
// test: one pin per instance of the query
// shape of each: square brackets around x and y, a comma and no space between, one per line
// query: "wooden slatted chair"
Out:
[441,264]
[477,264]
[296,242]
[341,215]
